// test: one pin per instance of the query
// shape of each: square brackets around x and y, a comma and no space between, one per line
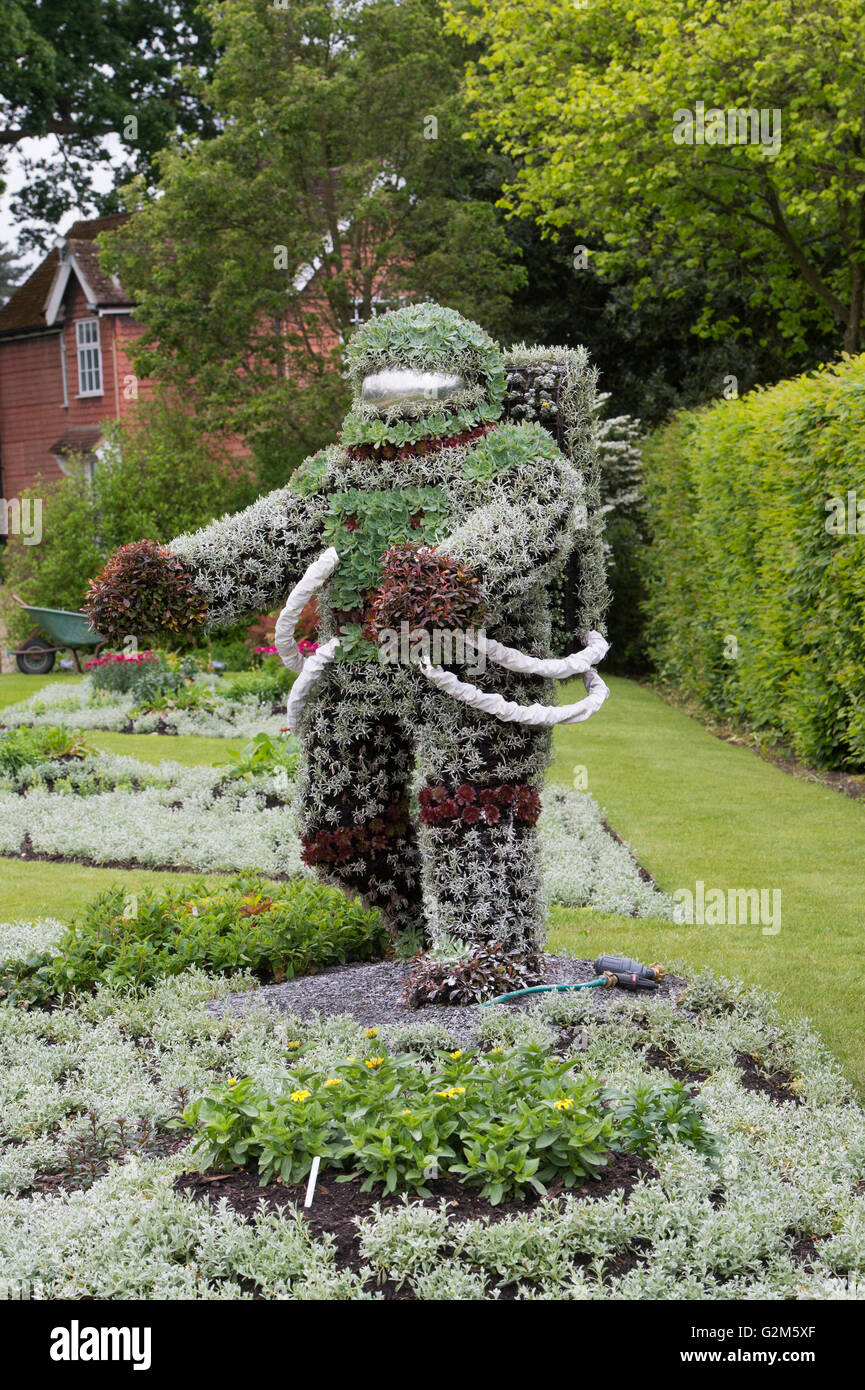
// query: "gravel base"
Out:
[372,995]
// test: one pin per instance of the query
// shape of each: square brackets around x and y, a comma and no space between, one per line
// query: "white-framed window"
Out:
[89,358]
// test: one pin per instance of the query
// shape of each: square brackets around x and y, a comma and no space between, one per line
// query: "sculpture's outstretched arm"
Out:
[236,566]
[246,563]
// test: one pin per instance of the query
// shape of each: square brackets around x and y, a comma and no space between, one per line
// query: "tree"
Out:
[726,139]
[318,201]
[83,72]
[11,272]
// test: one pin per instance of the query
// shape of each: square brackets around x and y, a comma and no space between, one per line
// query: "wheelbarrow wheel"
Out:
[34,658]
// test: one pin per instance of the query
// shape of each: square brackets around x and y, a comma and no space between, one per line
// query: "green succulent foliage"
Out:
[309,477]
[508,447]
[427,337]
[360,428]
[380,520]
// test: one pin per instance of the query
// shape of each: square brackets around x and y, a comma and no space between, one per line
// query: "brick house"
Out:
[64,365]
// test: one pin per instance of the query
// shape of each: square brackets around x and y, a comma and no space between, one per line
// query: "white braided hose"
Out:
[509,711]
[512,713]
[313,667]
[306,588]
[558,668]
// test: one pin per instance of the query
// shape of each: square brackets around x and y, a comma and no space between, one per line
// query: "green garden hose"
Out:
[547,989]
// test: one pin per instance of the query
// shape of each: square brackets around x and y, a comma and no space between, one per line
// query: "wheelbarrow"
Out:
[64,629]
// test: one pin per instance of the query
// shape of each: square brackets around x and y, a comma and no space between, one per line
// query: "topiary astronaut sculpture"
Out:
[434,515]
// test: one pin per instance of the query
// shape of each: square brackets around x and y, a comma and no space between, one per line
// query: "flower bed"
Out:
[95,1203]
[244,714]
[240,817]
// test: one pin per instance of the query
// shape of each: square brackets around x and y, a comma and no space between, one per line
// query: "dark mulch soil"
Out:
[336,1205]
[675,1066]
[775,1085]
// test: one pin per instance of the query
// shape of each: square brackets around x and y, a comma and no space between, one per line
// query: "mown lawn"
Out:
[17,687]
[693,807]
[36,889]
[155,748]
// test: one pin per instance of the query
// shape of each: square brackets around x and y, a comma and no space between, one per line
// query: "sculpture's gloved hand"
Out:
[426,589]
[143,590]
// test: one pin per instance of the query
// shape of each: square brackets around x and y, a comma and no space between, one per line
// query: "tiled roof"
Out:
[24,311]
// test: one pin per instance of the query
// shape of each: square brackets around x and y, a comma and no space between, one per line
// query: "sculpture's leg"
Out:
[354,791]
[480,799]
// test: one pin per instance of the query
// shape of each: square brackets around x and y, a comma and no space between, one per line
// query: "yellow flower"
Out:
[405,1112]
[372,1062]
[232,1081]
[456,1054]
[352,1059]
[451,1092]
[562,1104]
[497,1052]
[371,1033]
[334,1081]
[300,1095]
[294,1044]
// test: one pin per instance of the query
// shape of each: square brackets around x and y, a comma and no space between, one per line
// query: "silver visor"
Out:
[403,384]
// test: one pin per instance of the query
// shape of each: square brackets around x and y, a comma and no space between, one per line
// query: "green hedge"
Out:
[738,498]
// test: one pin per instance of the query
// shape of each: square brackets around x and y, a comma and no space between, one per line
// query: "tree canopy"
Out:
[593,103]
[82,72]
[338,157]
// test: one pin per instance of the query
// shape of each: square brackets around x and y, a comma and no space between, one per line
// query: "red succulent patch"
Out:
[469,804]
[427,590]
[143,589]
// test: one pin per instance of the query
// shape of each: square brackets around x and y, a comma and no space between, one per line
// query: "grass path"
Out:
[693,807]
[189,749]
[37,889]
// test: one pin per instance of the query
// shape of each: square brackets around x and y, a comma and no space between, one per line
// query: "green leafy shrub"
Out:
[30,982]
[756,578]
[23,747]
[275,930]
[119,672]
[263,755]
[506,1122]
[269,683]
[648,1114]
